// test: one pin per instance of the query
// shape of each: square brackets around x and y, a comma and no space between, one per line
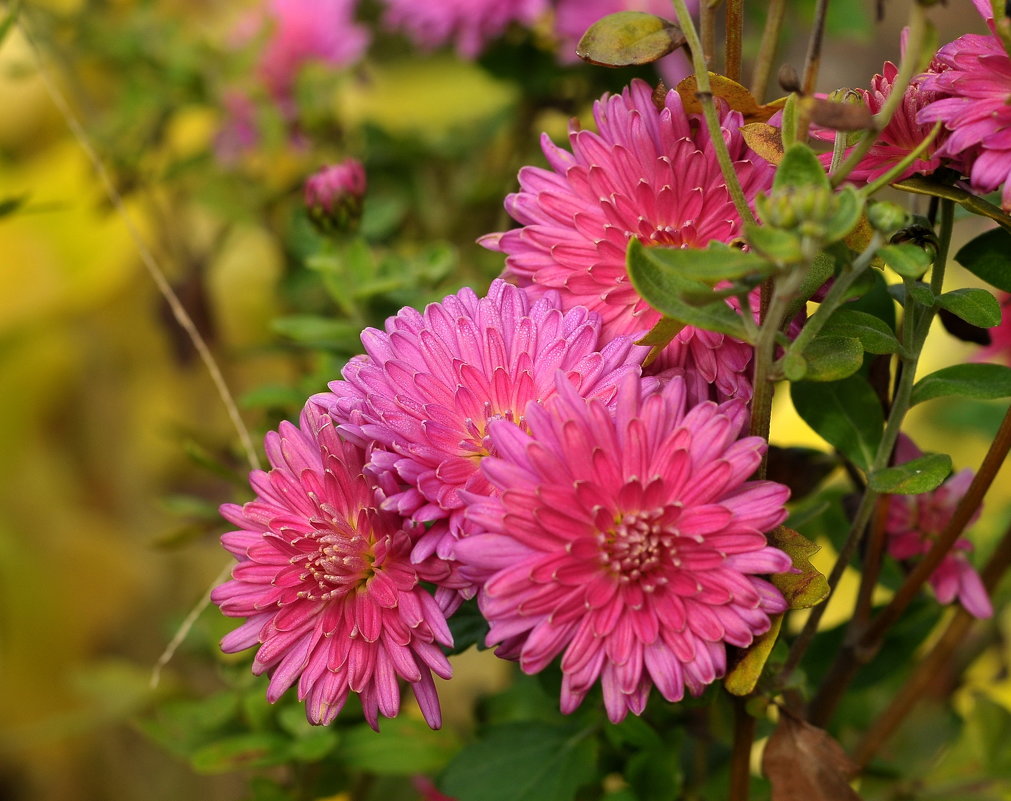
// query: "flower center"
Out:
[638,545]
[477,444]
[337,560]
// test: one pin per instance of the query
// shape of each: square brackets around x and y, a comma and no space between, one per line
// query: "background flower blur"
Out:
[211,115]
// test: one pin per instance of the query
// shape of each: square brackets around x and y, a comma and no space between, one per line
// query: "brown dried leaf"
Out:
[659,337]
[804,763]
[807,587]
[838,116]
[765,140]
[734,94]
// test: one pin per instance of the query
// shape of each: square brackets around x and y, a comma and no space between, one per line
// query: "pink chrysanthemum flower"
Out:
[999,348]
[305,31]
[915,521]
[649,173]
[626,542]
[975,105]
[901,136]
[326,582]
[470,24]
[431,382]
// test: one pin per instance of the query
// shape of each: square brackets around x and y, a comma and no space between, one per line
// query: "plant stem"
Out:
[707,30]
[740,757]
[914,47]
[767,49]
[709,112]
[935,661]
[812,61]
[732,42]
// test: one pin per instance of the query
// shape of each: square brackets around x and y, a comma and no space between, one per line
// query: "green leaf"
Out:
[986,257]
[654,775]
[657,280]
[925,186]
[982,381]
[847,214]
[874,334]
[906,259]
[800,167]
[914,477]
[819,271]
[468,627]
[308,328]
[629,37]
[794,366]
[404,746]
[744,676]
[777,245]
[523,762]
[917,291]
[807,587]
[830,358]
[249,750]
[975,306]
[710,266]
[847,414]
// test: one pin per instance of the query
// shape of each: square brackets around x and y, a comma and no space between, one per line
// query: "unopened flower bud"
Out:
[887,217]
[333,196]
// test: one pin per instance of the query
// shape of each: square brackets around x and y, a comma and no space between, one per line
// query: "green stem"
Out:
[705,96]
[915,45]
[767,49]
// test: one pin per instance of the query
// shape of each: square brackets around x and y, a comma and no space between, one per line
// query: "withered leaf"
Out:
[804,763]
[765,140]
[807,587]
[629,37]
[734,94]
[744,676]
[838,116]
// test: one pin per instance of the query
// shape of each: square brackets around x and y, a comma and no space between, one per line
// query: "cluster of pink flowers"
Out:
[513,448]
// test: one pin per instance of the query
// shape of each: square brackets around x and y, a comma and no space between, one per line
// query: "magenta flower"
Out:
[470,24]
[239,132]
[999,348]
[333,195]
[714,366]
[326,582]
[902,135]
[974,92]
[306,31]
[915,521]
[431,383]
[626,542]
[649,173]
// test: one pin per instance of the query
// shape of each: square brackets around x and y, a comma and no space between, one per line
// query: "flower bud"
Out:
[887,217]
[333,196]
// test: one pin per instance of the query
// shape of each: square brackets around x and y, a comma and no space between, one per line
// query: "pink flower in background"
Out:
[999,348]
[626,542]
[306,31]
[649,173]
[431,383]
[915,521]
[974,92]
[239,132]
[333,195]
[326,582]
[573,17]
[469,24]
[901,136]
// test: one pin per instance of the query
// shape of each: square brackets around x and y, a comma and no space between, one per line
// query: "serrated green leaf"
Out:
[807,587]
[981,381]
[873,333]
[976,306]
[523,762]
[744,676]
[660,284]
[777,245]
[986,257]
[403,747]
[913,477]
[847,414]
[249,750]
[627,38]
[830,358]
[800,167]
[847,214]
[906,259]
